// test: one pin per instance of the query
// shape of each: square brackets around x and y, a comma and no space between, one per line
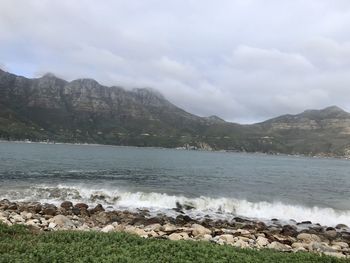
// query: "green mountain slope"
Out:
[82,110]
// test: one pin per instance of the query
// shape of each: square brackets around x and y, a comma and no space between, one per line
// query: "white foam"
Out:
[202,205]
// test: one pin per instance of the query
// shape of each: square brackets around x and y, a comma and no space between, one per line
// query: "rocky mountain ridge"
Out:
[50,108]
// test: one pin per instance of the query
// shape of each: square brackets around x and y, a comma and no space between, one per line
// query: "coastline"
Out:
[319,156]
[238,232]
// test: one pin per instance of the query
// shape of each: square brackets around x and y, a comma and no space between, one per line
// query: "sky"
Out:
[242,60]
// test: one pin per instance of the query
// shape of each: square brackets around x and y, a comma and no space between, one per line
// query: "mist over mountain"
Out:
[82,110]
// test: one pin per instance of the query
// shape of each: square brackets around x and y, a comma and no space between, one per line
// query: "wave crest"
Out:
[200,206]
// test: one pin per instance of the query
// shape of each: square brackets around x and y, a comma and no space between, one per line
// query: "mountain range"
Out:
[83,111]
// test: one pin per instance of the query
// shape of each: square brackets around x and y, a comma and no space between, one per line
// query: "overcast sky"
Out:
[243,60]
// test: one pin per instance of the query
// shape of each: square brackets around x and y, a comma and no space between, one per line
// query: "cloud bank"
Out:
[243,60]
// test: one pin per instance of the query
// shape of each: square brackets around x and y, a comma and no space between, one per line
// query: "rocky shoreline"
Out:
[238,232]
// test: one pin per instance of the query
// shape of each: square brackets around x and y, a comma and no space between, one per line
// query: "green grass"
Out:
[18,244]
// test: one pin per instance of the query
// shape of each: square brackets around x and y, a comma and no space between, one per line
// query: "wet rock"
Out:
[154,220]
[183,219]
[341,226]
[260,226]
[81,206]
[75,211]
[98,208]
[12,206]
[200,230]
[33,207]
[67,205]
[49,209]
[288,230]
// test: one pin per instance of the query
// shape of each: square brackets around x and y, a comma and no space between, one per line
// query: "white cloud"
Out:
[241,60]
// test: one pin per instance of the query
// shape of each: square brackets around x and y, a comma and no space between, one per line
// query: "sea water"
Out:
[214,184]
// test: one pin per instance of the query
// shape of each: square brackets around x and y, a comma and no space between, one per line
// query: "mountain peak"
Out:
[214,118]
[49,75]
[326,113]
[334,109]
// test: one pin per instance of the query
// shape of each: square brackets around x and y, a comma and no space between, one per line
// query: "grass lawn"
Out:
[19,244]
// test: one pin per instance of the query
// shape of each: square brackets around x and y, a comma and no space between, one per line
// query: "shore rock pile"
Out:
[238,232]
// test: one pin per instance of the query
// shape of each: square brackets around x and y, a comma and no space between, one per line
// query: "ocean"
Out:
[211,184]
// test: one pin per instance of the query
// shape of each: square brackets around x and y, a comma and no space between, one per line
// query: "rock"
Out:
[308,237]
[169,228]
[335,254]
[16,218]
[243,232]
[205,237]
[288,230]
[299,245]
[136,231]
[183,219]
[175,236]
[12,206]
[26,215]
[102,218]
[299,249]
[178,236]
[62,222]
[153,227]
[241,244]
[52,225]
[341,226]
[67,205]
[33,222]
[199,230]
[82,206]
[278,246]
[320,247]
[341,244]
[34,207]
[331,234]
[262,241]
[227,238]
[76,211]
[98,208]
[107,229]
[49,209]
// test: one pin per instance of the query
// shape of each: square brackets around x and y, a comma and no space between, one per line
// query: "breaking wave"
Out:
[199,207]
